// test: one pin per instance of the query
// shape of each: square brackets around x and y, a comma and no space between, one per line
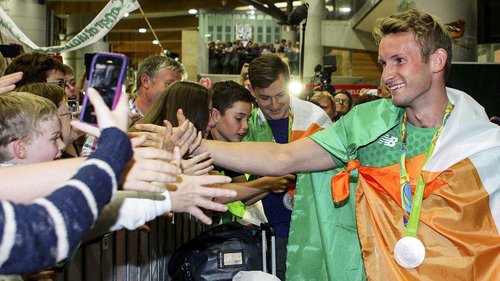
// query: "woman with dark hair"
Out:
[194,100]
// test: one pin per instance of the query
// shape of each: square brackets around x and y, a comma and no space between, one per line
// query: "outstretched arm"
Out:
[250,192]
[51,226]
[269,159]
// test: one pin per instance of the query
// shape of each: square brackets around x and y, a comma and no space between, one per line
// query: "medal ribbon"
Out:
[412,206]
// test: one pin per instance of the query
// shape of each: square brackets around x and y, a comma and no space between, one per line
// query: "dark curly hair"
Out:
[35,66]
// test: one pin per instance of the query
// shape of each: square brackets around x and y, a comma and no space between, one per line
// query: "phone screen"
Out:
[73,106]
[106,76]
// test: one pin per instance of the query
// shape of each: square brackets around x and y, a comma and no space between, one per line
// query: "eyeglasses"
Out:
[341,101]
[65,113]
[61,84]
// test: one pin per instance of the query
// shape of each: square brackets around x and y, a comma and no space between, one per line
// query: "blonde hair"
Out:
[317,96]
[20,117]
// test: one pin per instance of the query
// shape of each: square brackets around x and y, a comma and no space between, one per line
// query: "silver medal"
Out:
[288,201]
[409,252]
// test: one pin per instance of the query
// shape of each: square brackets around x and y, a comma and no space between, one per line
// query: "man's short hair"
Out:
[68,70]
[266,69]
[429,33]
[152,65]
[36,67]
[226,93]
[21,116]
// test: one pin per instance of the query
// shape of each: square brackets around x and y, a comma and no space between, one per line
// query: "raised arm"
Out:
[51,226]
[269,159]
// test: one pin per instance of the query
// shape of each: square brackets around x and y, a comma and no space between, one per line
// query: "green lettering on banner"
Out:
[83,37]
[75,41]
[110,18]
[97,28]
[115,11]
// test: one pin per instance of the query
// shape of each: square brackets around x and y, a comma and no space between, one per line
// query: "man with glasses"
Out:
[71,90]
[343,103]
[37,68]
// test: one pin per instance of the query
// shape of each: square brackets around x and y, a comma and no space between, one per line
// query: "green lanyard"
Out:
[413,207]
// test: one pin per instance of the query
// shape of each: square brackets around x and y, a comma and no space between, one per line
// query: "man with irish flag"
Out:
[407,189]
[280,118]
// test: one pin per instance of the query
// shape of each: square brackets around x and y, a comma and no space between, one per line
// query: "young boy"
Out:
[232,106]
[30,131]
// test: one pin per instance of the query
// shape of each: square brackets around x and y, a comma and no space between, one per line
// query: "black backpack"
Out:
[218,253]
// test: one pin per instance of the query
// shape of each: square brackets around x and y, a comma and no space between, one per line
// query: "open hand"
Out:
[191,195]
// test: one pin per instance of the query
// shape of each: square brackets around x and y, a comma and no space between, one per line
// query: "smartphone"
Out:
[73,106]
[107,74]
[10,51]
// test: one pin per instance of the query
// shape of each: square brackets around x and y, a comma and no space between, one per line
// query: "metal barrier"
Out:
[132,255]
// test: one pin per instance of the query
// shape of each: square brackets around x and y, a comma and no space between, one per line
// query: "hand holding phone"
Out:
[107,75]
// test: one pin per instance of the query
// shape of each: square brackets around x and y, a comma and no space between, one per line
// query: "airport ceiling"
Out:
[167,17]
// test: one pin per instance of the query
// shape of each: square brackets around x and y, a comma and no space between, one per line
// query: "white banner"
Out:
[94,31]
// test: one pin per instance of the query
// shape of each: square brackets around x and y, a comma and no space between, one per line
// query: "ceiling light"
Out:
[155,42]
[142,30]
[193,11]
[126,15]
[282,5]
[345,10]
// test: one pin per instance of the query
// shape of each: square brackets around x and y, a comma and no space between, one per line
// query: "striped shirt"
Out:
[37,235]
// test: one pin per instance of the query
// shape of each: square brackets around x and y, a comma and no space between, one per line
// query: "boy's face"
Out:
[234,124]
[48,145]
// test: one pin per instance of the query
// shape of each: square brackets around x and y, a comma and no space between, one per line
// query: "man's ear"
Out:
[250,89]
[145,81]
[438,60]
[20,149]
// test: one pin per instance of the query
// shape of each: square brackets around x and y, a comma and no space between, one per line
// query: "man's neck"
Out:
[428,113]
[142,103]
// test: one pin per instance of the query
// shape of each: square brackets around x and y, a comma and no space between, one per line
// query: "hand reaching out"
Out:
[8,82]
[191,194]
[276,184]
[166,137]
[149,167]
[198,165]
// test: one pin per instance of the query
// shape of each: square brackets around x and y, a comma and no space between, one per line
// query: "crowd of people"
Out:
[397,189]
[229,57]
